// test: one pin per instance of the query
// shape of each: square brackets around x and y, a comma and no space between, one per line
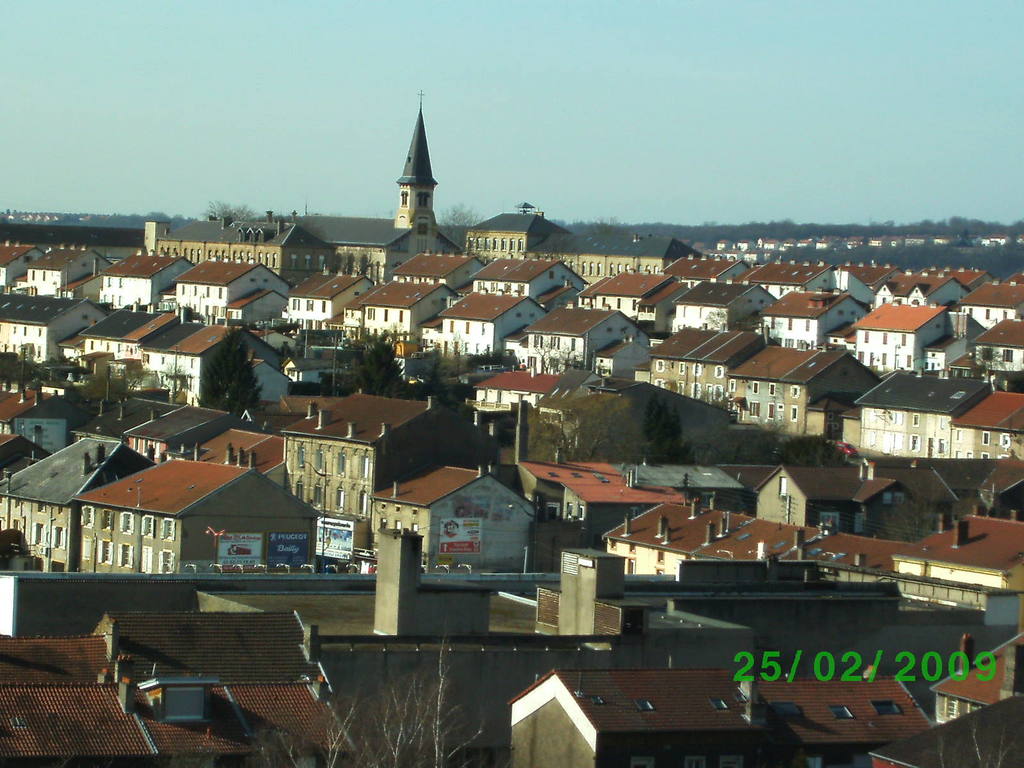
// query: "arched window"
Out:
[405,198]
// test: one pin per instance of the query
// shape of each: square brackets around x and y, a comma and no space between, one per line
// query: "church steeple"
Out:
[416,190]
[417,162]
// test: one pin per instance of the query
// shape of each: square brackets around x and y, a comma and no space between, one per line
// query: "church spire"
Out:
[417,162]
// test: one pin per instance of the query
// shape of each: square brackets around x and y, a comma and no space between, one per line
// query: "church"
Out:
[297,246]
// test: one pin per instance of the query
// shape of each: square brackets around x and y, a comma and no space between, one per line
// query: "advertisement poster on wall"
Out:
[240,549]
[291,549]
[334,538]
[459,536]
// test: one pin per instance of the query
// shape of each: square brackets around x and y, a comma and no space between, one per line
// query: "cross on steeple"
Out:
[421,94]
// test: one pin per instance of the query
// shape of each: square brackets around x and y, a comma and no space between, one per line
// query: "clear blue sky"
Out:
[684,112]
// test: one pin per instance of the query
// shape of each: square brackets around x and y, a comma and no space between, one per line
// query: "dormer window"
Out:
[179,699]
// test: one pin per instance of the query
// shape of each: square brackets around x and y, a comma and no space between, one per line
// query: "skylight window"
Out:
[718,704]
[18,722]
[644,705]
[958,395]
[597,700]
[815,551]
[743,536]
[886,707]
[841,712]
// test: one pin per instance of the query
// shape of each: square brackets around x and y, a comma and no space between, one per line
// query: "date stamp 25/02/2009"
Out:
[850,667]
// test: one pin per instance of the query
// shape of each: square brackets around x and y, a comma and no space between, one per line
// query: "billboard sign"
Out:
[291,549]
[334,538]
[459,536]
[240,549]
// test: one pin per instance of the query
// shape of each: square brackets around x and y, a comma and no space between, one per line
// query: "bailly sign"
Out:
[291,549]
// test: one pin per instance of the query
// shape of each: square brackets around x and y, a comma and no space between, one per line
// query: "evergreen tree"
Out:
[378,372]
[663,434]
[229,383]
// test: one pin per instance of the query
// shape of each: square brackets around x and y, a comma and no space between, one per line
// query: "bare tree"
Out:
[411,722]
[220,209]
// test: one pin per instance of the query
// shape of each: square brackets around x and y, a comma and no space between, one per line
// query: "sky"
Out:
[683,112]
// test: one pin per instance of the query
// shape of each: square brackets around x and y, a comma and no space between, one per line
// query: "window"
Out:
[60,537]
[719,371]
[107,552]
[785,708]
[127,522]
[1004,440]
[659,365]
[783,487]
[166,561]
[37,533]
[793,412]
[127,558]
[167,529]
[1007,355]
[718,704]
[915,420]
[886,707]
[148,525]
[730,761]
[147,559]
[341,498]
[341,463]
[366,466]
[915,443]
[771,390]
[319,459]
[794,391]
[986,438]
[755,387]
[107,519]
[301,456]
[643,705]
[840,712]
[732,385]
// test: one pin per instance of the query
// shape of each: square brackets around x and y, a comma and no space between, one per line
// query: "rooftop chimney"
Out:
[101,453]
[384,429]
[871,470]
[86,463]
[321,419]
[710,536]
[860,560]
[310,409]
[252,459]
[663,529]
[627,525]
[120,411]
[962,532]
[124,674]
[351,429]
[967,649]
[241,456]
[394,489]
[229,454]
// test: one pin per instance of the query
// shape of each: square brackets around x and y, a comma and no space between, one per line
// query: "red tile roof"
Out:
[999,410]
[981,691]
[202,340]
[1009,295]
[521,381]
[250,298]
[1006,333]
[401,295]
[233,647]
[681,701]
[784,273]
[289,708]
[220,733]
[82,720]
[816,724]
[366,412]
[805,304]
[324,286]
[151,327]
[787,364]
[216,272]
[872,275]
[585,480]
[168,488]
[700,269]
[71,659]
[633,284]
[268,450]
[9,253]
[141,265]
[573,321]
[899,317]
[12,406]
[59,258]
[710,346]
[903,284]
[427,487]
[515,270]
[992,544]
[437,265]
[484,306]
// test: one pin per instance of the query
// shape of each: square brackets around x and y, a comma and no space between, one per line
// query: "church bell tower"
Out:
[416,191]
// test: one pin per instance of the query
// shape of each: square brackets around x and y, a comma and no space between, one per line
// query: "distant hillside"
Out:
[129,220]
